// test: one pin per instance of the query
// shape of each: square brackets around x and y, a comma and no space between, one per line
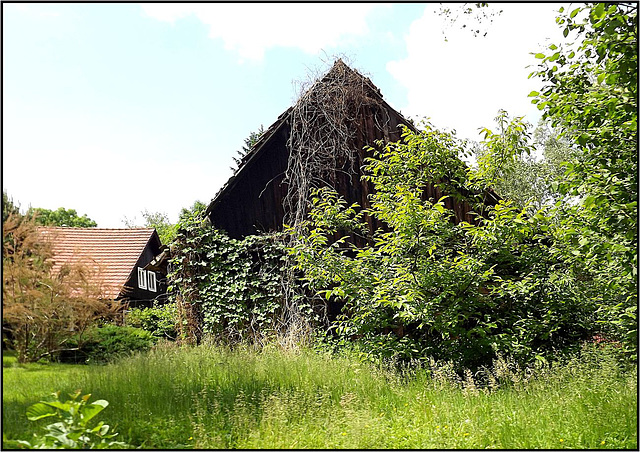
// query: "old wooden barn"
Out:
[319,141]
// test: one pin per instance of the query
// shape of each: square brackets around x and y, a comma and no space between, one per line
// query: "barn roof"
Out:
[324,138]
[338,67]
[115,251]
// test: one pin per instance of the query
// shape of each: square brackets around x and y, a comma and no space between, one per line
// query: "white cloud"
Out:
[251,29]
[461,84]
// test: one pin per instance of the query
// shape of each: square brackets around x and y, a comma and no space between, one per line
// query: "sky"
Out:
[113,109]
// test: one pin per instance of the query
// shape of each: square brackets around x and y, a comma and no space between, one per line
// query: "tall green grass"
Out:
[213,397]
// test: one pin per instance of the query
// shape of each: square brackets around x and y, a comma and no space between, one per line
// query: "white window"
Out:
[142,279]
[151,281]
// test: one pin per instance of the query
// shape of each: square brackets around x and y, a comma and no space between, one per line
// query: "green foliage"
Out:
[590,95]
[60,217]
[426,286]
[529,279]
[106,343]
[72,430]
[196,208]
[160,321]
[501,150]
[517,173]
[212,397]
[235,286]
[159,221]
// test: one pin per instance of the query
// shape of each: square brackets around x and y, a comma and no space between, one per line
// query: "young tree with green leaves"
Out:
[531,174]
[590,95]
[157,220]
[198,207]
[160,221]
[167,231]
[60,217]
[427,286]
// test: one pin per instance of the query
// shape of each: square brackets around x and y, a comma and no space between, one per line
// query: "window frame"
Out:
[151,277]
[142,278]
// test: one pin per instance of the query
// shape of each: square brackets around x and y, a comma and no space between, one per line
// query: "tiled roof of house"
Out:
[116,251]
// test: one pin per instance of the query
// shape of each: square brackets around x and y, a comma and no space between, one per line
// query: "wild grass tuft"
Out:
[214,397]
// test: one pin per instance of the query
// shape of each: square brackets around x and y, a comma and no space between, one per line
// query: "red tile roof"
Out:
[116,251]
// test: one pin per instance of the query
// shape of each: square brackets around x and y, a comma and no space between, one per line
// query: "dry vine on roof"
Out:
[326,140]
[322,140]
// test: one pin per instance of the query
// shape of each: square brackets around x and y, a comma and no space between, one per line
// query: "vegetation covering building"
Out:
[320,141]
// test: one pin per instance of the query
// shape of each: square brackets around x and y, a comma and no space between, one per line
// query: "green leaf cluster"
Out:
[160,321]
[72,431]
[236,286]
[60,217]
[429,285]
[590,94]
[101,344]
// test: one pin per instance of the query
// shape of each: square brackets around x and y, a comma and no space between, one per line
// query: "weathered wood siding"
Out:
[252,201]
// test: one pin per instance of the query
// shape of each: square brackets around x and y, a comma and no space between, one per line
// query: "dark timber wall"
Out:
[252,200]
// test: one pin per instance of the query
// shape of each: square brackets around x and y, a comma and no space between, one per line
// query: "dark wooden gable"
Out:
[138,294]
[252,201]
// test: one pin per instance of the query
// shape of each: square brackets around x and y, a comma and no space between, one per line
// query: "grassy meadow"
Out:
[212,397]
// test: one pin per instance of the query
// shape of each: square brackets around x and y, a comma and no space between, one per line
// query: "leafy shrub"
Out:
[428,286]
[108,342]
[160,321]
[600,226]
[72,430]
[233,290]
[42,311]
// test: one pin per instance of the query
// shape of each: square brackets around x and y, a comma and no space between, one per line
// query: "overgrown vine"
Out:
[248,289]
[322,140]
[232,290]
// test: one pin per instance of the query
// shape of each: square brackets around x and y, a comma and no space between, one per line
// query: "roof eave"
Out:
[250,157]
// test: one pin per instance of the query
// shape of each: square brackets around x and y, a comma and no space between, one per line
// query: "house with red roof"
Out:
[131,264]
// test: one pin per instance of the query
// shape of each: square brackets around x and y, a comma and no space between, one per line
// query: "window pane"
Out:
[142,279]
[152,281]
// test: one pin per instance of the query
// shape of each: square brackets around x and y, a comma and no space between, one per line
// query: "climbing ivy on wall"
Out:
[232,290]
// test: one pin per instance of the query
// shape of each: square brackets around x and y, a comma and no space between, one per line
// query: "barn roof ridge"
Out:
[282,119]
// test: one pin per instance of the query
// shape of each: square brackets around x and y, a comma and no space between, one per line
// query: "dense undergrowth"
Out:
[215,397]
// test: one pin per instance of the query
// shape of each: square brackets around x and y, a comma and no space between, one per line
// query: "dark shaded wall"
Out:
[135,296]
[253,201]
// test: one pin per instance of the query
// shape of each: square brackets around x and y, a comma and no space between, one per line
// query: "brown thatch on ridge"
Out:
[317,142]
[116,253]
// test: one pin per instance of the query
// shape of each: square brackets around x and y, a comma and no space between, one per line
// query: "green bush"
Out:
[427,286]
[235,290]
[105,343]
[160,321]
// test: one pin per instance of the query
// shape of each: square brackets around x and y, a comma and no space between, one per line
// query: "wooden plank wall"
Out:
[255,202]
